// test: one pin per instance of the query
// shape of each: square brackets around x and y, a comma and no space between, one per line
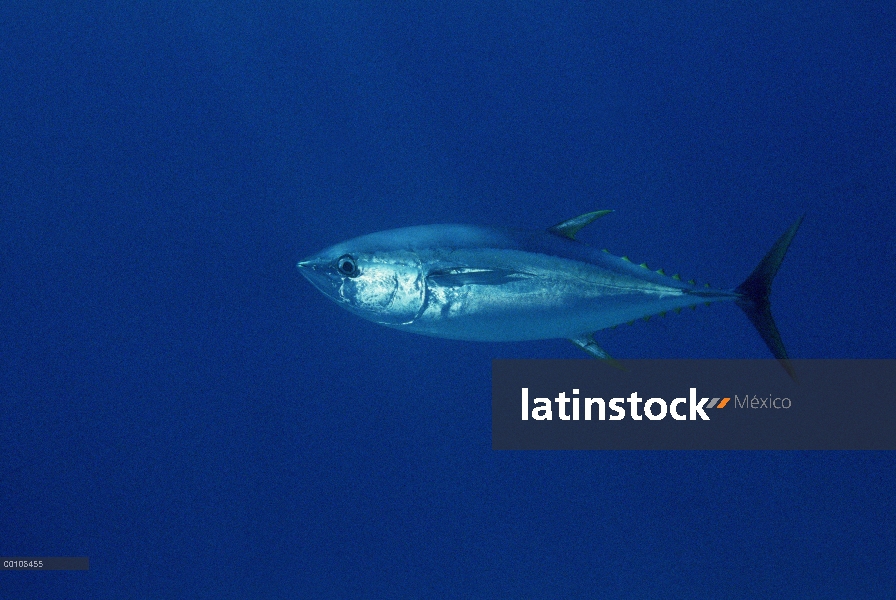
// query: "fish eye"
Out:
[346,265]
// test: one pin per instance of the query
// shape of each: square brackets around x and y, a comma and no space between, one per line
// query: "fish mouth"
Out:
[318,272]
[314,264]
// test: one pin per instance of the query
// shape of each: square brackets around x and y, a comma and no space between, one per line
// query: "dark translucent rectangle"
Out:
[45,563]
[834,405]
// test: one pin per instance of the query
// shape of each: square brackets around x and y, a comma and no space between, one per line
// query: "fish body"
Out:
[474,283]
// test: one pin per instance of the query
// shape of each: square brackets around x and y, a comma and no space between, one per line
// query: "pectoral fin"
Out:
[458,276]
[586,342]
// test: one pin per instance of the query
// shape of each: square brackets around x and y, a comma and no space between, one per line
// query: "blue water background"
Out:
[179,405]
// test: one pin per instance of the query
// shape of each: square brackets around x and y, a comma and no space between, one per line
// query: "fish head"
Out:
[370,277]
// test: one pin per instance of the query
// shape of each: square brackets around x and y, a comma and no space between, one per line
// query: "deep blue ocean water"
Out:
[179,405]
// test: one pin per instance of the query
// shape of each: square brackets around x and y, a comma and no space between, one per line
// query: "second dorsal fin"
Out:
[570,228]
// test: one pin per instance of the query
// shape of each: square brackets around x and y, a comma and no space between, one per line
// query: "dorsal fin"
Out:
[570,228]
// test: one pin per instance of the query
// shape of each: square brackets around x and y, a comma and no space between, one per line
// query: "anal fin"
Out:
[586,342]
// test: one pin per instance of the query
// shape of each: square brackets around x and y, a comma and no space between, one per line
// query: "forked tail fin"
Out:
[754,293]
